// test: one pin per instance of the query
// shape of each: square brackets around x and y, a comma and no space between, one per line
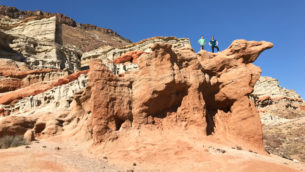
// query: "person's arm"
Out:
[216,43]
[210,44]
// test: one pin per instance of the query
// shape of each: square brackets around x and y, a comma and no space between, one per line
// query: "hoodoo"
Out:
[83,98]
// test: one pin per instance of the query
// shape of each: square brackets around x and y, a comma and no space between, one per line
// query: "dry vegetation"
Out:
[11,141]
[286,140]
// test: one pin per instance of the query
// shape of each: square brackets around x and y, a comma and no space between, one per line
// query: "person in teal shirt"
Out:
[214,44]
[201,42]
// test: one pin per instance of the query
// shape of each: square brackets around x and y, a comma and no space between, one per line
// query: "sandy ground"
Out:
[155,155]
[44,156]
[178,151]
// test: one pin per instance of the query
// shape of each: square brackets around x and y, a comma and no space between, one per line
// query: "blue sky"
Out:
[281,22]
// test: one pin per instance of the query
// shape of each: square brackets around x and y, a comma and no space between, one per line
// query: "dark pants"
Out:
[215,47]
[202,47]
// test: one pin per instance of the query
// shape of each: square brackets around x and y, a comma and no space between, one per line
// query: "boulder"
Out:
[29,136]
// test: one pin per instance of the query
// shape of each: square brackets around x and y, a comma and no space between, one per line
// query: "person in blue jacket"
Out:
[214,44]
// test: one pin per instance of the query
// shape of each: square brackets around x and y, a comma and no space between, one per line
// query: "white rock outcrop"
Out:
[275,101]
[58,98]
[33,41]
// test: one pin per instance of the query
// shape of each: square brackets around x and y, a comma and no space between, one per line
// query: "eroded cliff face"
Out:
[171,87]
[180,89]
[32,41]
[155,98]
[157,95]
[272,100]
[282,113]
[114,58]
[84,37]
[35,58]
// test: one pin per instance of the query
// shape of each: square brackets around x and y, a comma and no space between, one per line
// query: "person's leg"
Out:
[213,49]
[201,47]
[217,48]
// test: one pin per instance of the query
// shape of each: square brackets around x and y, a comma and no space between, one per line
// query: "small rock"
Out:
[27,146]
[134,164]
[29,136]
[220,150]
[286,157]
[57,148]
[44,146]
[239,148]
[294,160]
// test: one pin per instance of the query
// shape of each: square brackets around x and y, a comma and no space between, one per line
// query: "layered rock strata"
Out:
[109,54]
[33,42]
[85,37]
[46,95]
[173,89]
[273,100]
[283,117]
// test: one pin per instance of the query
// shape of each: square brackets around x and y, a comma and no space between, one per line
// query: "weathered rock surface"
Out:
[15,75]
[110,55]
[155,98]
[182,88]
[33,42]
[84,36]
[173,97]
[54,94]
[272,99]
[283,118]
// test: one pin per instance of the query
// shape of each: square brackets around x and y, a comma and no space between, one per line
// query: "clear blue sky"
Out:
[281,22]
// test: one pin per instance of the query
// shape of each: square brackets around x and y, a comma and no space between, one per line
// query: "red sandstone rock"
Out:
[34,89]
[9,84]
[15,75]
[15,125]
[22,74]
[130,56]
[69,78]
[37,88]
[110,101]
[206,92]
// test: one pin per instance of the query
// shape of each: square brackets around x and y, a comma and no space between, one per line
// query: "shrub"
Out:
[11,141]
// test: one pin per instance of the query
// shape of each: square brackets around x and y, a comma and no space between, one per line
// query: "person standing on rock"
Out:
[214,44]
[201,42]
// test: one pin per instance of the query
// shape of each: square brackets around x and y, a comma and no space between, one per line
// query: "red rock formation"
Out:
[9,84]
[22,74]
[14,75]
[207,92]
[15,125]
[129,56]
[34,89]
[110,101]
[37,88]
[69,78]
